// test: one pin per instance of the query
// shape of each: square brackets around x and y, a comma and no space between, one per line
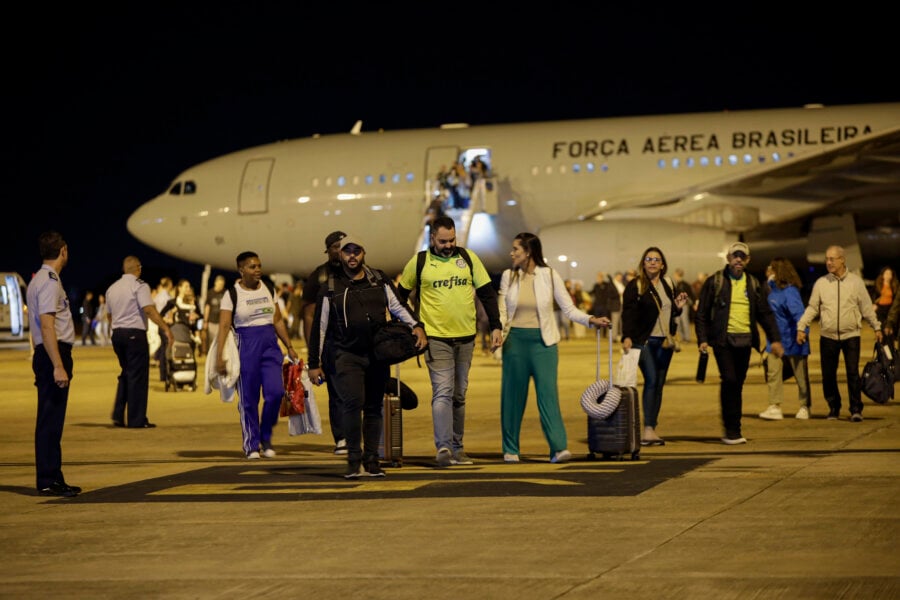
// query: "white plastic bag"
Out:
[627,369]
[309,421]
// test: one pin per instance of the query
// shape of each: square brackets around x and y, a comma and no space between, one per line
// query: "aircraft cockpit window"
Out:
[175,190]
[190,187]
[341,181]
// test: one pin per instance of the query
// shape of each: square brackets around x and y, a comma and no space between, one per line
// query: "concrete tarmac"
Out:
[806,509]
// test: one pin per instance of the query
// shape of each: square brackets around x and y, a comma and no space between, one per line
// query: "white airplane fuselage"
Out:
[597,191]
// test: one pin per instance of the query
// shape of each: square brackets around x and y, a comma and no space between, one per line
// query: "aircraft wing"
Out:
[862,167]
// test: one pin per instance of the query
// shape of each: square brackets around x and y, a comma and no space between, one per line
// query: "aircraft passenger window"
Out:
[341,181]
[776,156]
[748,159]
[689,162]
[675,163]
[369,179]
[661,164]
[718,161]
[732,159]
[576,168]
[315,182]
[328,182]
[395,178]
[762,159]
[175,190]
[382,178]
[590,167]
[704,161]
[356,180]
[604,168]
[549,169]
[409,177]
[562,169]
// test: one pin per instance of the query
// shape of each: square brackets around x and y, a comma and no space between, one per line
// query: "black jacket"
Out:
[711,324]
[352,311]
[640,312]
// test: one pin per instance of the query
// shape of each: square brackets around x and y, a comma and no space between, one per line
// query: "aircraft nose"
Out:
[141,222]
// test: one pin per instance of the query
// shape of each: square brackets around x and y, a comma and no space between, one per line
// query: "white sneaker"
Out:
[773,413]
[561,456]
[510,458]
[734,441]
[443,458]
[253,455]
[803,413]
[268,450]
[341,447]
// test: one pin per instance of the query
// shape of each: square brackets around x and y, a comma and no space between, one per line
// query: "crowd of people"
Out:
[342,304]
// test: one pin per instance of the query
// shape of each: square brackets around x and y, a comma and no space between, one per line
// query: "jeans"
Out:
[654,365]
[733,364]
[448,365]
[830,351]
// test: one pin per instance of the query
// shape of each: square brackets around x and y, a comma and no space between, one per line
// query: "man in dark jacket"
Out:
[732,303]
[348,309]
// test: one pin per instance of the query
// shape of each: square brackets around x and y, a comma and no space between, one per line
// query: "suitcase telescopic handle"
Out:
[609,329]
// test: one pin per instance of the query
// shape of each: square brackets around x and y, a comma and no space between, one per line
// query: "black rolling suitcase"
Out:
[390,450]
[619,434]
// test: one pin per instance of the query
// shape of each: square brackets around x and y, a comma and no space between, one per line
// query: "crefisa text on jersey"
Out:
[706,142]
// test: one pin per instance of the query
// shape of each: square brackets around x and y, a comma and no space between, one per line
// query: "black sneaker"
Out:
[354,470]
[373,468]
[58,489]
[834,414]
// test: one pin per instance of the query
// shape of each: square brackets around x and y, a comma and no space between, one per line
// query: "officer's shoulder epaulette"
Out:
[53,276]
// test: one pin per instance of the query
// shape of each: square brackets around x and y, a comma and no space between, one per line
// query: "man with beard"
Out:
[732,303]
[447,278]
[349,308]
[316,280]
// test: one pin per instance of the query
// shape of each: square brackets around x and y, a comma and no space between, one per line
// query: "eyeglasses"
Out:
[652,259]
[352,251]
[739,255]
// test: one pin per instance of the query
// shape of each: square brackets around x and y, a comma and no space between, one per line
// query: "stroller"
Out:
[181,361]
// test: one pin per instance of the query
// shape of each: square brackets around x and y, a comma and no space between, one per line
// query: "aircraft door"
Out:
[254,196]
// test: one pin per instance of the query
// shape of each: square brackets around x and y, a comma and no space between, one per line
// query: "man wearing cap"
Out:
[840,299]
[348,308]
[314,283]
[732,303]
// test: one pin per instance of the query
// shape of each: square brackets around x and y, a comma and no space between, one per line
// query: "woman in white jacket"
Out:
[531,335]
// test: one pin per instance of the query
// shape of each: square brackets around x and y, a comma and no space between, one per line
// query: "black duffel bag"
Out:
[394,342]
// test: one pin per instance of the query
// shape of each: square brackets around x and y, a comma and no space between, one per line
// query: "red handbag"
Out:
[293,402]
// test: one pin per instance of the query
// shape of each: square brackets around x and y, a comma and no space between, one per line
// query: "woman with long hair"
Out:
[649,310]
[886,289]
[784,299]
[530,346]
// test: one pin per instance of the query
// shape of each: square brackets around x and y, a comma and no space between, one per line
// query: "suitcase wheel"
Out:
[636,455]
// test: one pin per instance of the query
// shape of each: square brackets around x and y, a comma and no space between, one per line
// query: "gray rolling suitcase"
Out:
[618,435]
[390,449]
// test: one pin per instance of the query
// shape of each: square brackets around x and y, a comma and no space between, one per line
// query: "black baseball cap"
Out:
[334,236]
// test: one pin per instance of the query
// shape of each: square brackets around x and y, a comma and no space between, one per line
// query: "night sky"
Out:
[105,106]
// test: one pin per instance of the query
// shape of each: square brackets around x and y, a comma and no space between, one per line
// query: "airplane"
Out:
[789,182]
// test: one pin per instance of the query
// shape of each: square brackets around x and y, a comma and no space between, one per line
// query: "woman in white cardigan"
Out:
[531,335]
